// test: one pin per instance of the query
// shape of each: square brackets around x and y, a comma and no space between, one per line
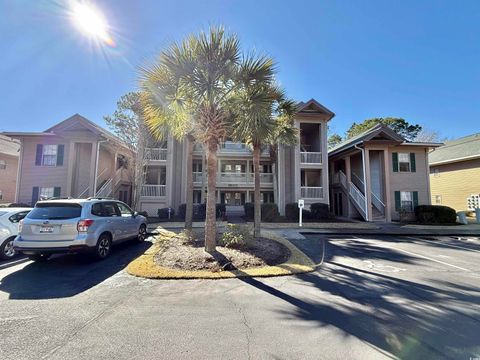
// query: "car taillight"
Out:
[83,225]
[20,226]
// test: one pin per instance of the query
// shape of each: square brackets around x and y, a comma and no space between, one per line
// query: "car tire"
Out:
[142,233]
[103,247]
[39,257]
[6,249]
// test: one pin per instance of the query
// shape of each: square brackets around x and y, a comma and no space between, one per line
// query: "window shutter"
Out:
[395,161]
[415,199]
[60,152]
[38,157]
[413,166]
[398,204]
[56,191]
[34,195]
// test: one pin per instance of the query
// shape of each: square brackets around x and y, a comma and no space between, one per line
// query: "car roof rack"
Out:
[58,198]
[99,198]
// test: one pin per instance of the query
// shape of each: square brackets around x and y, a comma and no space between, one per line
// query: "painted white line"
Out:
[442,243]
[421,256]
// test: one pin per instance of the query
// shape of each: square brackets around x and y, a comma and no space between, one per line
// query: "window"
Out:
[46,193]
[197,196]
[404,162]
[18,216]
[55,211]
[124,210]
[3,164]
[406,200]
[228,167]
[1,195]
[104,209]
[438,199]
[49,155]
[238,168]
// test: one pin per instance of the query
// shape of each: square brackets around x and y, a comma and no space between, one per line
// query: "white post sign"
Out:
[301,205]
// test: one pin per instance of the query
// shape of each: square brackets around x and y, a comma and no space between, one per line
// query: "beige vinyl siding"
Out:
[455,182]
[409,181]
[42,176]
[8,178]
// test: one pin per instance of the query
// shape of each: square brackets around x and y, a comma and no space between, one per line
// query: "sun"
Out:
[91,22]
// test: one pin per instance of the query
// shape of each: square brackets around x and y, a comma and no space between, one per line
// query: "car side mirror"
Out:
[135,214]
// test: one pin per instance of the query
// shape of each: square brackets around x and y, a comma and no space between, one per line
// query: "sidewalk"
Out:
[349,228]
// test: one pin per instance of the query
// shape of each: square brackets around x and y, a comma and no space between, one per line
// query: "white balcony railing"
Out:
[311,192]
[343,179]
[359,199]
[157,154]
[230,147]
[311,157]
[153,190]
[235,178]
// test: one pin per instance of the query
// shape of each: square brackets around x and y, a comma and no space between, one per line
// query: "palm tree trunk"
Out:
[257,203]
[189,199]
[210,220]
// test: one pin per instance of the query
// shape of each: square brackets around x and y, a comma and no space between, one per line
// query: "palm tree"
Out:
[260,117]
[193,83]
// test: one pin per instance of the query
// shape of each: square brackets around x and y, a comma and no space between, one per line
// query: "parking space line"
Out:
[442,243]
[423,256]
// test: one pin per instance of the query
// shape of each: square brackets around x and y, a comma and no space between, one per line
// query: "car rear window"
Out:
[55,211]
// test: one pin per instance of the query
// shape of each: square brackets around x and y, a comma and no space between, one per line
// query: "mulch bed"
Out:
[179,253]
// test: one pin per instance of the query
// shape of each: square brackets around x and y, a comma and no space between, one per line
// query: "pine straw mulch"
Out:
[180,252]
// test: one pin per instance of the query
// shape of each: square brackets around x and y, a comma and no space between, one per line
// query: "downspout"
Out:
[364,180]
[96,167]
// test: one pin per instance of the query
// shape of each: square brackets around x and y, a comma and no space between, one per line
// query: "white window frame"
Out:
[49,155]
[46,193]
[400,162]
[3,164]
[406,197]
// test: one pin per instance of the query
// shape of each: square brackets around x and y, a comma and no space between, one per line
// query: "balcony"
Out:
[235,178]
[153,190]
[311,158]
[232,148]
[311,192]
[156,154]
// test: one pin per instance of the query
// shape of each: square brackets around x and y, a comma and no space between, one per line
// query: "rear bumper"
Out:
[54,250]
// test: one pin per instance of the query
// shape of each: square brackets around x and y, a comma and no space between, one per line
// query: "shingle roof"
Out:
[9,146]
[457,150]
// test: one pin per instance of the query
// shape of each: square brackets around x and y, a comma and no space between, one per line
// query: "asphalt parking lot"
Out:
[372,297]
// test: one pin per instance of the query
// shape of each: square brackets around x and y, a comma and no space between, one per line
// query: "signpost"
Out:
[301,205]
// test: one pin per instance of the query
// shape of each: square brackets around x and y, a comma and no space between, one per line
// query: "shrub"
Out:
[163,213]
[269,212]
[291,212]
[237,236]
[435,214]
[320,211]
[200,211]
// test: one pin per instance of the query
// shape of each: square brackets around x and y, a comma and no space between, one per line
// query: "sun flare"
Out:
[90,21]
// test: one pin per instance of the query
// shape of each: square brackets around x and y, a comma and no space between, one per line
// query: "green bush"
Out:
[236,236]
[163,213]
[291,212]
[435,214]
[200,211]
[269,212]
[320,211]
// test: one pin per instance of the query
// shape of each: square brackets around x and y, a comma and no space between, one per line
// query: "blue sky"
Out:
[419,60]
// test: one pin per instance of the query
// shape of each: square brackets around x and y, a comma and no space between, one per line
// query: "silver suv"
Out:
[77,225]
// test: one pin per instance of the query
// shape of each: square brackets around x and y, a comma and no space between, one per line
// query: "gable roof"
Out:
[75,121]
[313,107]
[461,149]
[377,130]
[9,146]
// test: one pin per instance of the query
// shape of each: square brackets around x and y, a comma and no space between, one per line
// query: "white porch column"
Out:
[325,165]
[297,181]
[93,167]
[368,187]
[388,197]
[348,173]
[70,161]
[280,170]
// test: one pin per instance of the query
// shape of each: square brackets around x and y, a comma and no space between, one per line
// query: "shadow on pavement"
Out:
[68,275]
[403,318]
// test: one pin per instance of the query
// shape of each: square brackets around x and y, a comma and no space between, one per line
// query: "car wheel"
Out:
[104,245]
[6,249]
[142,233]
[39,257]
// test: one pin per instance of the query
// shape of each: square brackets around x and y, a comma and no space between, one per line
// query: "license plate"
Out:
[46,229]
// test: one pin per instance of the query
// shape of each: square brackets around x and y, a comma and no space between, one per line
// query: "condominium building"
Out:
[300,171]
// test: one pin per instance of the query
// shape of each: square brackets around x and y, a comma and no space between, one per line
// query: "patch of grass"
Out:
[145,266]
